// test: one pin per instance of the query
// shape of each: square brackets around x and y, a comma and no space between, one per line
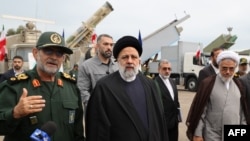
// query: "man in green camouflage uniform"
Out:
[43,94]
[242,69]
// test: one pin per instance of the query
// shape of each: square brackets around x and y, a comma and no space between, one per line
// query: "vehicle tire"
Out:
[192,84]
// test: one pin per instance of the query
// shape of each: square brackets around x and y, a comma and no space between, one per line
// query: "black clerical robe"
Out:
[111,115]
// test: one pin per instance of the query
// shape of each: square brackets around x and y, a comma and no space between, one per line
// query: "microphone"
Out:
[45,133]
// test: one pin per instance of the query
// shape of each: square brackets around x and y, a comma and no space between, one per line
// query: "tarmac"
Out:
[185,99]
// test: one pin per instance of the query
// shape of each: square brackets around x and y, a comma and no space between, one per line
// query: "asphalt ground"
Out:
[185,99]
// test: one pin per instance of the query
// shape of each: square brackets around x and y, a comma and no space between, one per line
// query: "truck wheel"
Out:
[192,84]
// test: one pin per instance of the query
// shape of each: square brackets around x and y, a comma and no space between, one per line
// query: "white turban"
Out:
[228,55]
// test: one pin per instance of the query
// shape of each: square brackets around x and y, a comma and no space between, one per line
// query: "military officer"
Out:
[42,94]
[242,68]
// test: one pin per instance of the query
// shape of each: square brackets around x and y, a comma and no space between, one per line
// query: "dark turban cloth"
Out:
[126,41]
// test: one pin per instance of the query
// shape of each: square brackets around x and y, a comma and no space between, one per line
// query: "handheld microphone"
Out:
[44,134]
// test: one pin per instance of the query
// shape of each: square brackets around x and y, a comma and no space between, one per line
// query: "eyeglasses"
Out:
[49,51]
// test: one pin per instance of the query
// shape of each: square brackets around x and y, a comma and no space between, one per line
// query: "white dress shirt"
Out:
[169,86]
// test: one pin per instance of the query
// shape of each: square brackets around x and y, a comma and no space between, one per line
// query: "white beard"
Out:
[128,76]
[225,80]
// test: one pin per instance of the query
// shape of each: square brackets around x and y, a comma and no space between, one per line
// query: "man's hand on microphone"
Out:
[28,105]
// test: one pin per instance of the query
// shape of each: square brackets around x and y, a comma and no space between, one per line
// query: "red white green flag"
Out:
[2,45]
[93,38]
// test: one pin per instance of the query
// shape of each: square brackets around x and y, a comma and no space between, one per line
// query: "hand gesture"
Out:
[28,105]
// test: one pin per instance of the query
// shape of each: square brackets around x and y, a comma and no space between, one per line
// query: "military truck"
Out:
[185,64]
[22,44]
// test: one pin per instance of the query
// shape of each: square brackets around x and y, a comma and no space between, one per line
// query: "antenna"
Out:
[28,19]
[229,29]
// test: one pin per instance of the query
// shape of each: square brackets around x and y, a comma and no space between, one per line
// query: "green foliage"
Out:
[10,32]
[20,29]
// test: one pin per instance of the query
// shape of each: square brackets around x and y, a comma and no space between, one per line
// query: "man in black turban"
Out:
[125,106]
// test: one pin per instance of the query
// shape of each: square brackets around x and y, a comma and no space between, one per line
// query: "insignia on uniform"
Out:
[67,76]
[71,116]
[59,82]
[13,79]
[18,78]
[73,78]
[36,83]
[22,76]
[55,38]
[33,120]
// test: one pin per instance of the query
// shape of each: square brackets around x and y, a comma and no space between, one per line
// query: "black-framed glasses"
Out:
[50,51]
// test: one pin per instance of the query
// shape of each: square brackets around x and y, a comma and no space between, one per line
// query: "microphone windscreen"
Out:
[49,127]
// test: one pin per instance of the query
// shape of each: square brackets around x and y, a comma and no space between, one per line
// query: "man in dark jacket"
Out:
[17,68]
[212,68]
[170,100]
[125,106]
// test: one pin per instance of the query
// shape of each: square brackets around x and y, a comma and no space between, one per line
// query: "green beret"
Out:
[52,39]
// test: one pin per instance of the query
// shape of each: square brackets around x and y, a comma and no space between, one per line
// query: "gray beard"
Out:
[225,79]
[128,76]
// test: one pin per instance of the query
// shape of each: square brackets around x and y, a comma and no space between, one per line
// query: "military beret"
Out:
[126,41]
[228,55]
[52,39]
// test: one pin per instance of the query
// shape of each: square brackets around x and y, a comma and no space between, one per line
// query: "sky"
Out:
[208,19]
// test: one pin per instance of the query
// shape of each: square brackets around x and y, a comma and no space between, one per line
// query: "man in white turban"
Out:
[220,100]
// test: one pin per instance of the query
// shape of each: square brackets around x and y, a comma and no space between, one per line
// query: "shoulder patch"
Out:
[68,77]
[18,78]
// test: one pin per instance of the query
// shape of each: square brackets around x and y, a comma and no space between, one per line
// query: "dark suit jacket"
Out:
[245,79]
[7,75]
[170,106]
[205,72]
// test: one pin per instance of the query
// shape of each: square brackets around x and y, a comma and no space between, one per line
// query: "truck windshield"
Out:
[203,60]
[24,51]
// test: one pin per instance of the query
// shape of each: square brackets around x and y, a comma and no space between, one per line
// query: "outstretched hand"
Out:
[28,105]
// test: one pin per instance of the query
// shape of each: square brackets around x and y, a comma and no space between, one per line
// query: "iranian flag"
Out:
[198,52]
[2,45]
[93,38]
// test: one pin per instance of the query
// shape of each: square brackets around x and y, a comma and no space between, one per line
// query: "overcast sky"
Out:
[208,20]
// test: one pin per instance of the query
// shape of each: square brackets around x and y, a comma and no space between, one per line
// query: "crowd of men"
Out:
[116,101]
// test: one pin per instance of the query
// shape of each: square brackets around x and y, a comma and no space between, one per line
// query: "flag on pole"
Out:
[2,45]
[139,38]
[63,34]
[93,38]
[198,52]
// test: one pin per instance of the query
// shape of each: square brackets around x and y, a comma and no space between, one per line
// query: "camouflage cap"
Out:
[243,61]
[52,39]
